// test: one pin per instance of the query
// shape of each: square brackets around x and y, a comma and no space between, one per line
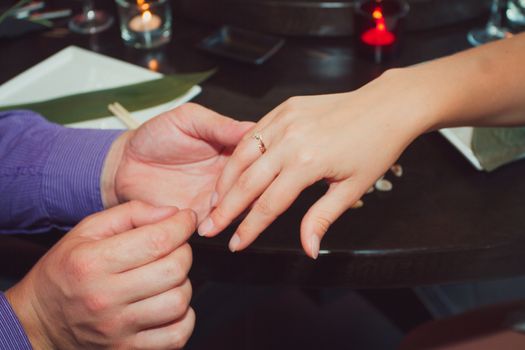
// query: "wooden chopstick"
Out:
[125,117]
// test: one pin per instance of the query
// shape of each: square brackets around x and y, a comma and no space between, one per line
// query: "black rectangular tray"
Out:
[241,45]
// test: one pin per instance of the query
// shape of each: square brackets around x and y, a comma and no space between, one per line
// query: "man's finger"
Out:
[154,278]
[145,244]
[205,124]
[171,336]
[122,218]
[160,309]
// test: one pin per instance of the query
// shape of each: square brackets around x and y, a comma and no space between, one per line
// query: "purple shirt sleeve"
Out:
[49,178]
[12,334]
[49,174]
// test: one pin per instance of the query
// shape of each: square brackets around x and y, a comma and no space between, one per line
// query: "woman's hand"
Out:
[347,139]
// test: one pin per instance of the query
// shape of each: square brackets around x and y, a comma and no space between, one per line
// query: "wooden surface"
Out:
[444,221]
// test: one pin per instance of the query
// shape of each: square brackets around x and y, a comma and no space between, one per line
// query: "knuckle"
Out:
[290,107]
[173,270]
[178,338]
[263,207]
[178,268]
[292,135]
[159,242]
[130,320]
[244,184]
[248,230]
[96,302]
[321,222]
[219,217]
[186,258]
[305,158]
[136,205]
[180,301]
[79,264]
[188,219]
[108,329]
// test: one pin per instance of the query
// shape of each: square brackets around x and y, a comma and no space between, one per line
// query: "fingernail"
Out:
[213,200]
[205,227]
[314,246]
[234,243]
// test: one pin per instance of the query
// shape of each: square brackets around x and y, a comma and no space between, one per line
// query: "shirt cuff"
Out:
[12,334]
[72,173]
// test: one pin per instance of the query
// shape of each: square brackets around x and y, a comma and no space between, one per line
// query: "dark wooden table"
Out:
[444,221]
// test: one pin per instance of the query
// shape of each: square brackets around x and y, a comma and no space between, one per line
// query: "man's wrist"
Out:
[72,174]
[109,171]
[22,306]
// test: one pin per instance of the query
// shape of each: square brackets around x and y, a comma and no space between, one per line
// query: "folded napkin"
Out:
[94,104]
[495,147]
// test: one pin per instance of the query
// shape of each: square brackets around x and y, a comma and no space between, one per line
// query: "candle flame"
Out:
[377,14]
[378,35]
[146,16]
[143,5]
[153,64]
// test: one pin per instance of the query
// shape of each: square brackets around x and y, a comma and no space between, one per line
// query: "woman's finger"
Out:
[339,198]
[272,203]
[247,151]
[246,189]
[160,309]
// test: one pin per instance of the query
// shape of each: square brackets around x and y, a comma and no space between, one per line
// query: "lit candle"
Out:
[146,22]
[379,35]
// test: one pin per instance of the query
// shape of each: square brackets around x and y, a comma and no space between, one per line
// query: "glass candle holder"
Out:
[145,24]
[378,25]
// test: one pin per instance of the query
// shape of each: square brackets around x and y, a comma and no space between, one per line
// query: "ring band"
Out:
[260,142]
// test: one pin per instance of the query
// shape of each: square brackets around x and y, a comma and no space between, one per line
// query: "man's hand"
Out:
[117,280]
[173,159]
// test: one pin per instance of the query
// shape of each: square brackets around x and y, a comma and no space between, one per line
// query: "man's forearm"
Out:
[49,175]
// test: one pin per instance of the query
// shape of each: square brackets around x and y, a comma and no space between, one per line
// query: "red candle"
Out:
[379,35]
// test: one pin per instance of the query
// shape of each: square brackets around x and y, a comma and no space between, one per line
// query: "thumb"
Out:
[214,127]
[122,218]
[339,197]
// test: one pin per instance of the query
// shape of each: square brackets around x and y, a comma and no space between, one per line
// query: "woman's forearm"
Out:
[483,86]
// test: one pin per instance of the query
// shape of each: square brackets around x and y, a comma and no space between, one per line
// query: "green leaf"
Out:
[497,146]
[13,9]
[94,104]
[42,22]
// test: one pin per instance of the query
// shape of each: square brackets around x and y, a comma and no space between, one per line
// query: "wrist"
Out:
[109,171]
[23,307]
[402,103]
